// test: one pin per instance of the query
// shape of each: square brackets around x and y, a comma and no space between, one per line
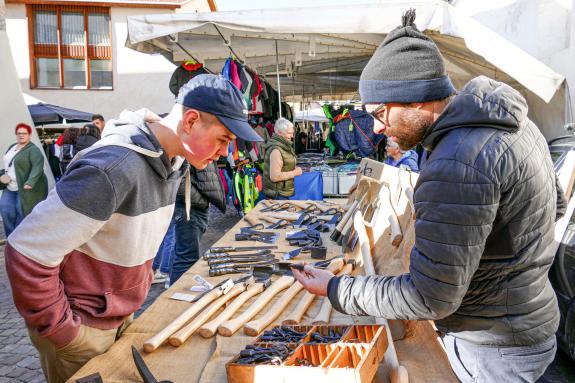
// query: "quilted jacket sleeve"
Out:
[455,207]
[561,201]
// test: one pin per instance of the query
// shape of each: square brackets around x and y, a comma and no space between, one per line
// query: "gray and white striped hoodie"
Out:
[84,255]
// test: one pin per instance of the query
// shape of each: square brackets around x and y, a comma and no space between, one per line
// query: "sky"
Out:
[232,5]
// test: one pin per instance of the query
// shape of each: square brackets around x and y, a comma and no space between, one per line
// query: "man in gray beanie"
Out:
[485,203]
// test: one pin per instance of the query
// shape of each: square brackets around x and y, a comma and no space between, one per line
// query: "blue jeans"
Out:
[165,254]
[10,210]
[477,363]
[188,237]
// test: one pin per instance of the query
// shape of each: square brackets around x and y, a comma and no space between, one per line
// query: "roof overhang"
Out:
[322,50]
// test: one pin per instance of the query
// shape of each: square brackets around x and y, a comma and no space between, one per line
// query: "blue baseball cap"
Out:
[216,95]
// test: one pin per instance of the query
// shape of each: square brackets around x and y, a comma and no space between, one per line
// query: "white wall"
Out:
[140,80]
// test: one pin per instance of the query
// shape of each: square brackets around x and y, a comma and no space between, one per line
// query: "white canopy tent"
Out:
[320,51]
[311,115]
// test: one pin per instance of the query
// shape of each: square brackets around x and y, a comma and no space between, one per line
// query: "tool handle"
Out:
[254,327]
[251,220]
[347,227]
[229,327]
[269,219]
[348,214]
[221,249]
[300,204]
[210,328]
[307,299]
[324,313]
[294,317]
[218,261]
[390,356]
[156,341]
[185,332]
[222,271]
[396,236]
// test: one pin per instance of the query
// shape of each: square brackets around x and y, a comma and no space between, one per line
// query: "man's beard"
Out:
[412,125]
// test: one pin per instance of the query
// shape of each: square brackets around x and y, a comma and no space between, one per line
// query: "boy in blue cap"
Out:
[87,268]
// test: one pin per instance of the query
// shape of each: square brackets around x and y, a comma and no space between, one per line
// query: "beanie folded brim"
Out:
[405,91]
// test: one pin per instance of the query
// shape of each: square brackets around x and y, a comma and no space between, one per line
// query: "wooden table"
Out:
[203,360]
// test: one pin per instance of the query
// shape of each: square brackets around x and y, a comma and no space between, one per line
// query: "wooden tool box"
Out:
[354,358]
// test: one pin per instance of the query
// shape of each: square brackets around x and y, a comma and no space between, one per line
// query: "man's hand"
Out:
[313,280]
[297,171]
[27,187]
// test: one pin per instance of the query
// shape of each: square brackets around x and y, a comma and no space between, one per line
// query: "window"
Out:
[71,47]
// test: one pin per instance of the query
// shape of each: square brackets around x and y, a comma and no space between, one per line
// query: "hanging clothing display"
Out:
[184,73]
[354,133]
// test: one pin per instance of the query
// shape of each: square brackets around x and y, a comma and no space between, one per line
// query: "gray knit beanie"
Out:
[407,67]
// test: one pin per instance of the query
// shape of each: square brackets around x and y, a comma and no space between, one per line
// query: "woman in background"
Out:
[24,181]
[280,162]
[397,157]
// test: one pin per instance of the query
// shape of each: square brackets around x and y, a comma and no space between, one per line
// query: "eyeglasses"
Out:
[22,133]
[374,110]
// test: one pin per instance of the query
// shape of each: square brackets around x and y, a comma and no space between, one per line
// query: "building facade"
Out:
[72,53]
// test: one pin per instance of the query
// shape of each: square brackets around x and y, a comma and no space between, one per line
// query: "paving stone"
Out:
[12,359]
[5,369]
[29,375]
[16,372]
[29,361]
[24,349]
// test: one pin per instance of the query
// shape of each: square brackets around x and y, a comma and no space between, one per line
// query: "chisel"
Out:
[230,249]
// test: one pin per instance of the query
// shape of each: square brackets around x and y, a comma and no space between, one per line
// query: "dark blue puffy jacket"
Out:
[409,159]
[485,205]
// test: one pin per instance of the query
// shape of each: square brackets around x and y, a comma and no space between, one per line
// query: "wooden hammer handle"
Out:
[305,302]
[324,313]
[254,327]
[156,341]
[210,328]
[264,217]
[300,204]
[185,332]
[347,216]
[229,327]
[390,356]
[305,204]
[252,220]
[396,236]
[297,313]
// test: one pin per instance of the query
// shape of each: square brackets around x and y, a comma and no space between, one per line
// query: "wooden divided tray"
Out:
[354,358]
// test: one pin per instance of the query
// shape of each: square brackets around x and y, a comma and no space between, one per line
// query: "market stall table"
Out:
[203,360]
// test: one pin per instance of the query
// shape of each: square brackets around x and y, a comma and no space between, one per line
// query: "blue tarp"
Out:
[308,186]
[43,114]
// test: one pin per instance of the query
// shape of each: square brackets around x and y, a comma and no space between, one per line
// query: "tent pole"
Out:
[278,78]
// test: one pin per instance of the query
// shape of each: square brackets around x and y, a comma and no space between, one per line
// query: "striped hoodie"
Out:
[84,255]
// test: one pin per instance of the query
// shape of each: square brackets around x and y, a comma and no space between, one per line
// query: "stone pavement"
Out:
[19,361]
